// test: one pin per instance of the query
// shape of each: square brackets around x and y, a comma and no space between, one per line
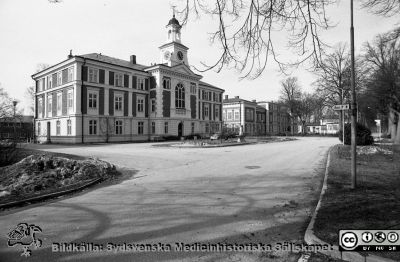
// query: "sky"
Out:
[33,32]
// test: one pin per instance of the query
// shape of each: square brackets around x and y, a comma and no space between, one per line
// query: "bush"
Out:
[363,135]
[170,138]
[192,136]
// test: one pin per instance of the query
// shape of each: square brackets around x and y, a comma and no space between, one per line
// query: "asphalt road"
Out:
[263,193]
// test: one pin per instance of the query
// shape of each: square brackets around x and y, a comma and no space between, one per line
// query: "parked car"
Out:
[215,136]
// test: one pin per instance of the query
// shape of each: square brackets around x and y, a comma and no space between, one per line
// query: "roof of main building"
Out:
[112,60]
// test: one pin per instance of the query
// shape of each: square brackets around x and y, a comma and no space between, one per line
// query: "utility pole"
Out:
[342,111]
[15,133]
[353,105]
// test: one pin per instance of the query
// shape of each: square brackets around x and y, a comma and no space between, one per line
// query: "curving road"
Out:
[251,194]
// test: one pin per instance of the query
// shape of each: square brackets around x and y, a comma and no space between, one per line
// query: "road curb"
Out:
[312,239]
[48,196]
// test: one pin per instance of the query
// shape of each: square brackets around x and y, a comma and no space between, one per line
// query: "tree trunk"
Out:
[392,127]
[396,139]
[292,125]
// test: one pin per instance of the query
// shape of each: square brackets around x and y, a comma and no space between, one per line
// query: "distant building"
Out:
[327,126]
[278,118]
[23,128]
[248,115]
[97,98]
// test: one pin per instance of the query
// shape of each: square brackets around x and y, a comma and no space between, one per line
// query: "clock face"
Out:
[167,55]
[180,55]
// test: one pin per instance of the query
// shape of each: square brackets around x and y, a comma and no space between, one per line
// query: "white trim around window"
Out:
[93,75]
[93,101]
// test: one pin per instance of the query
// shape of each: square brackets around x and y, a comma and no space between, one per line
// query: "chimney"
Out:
[237,97]
[70,54]
[254,101]
[133,59]
[226,97]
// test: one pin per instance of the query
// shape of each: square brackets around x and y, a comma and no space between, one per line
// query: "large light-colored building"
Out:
[240,113]
[97,98]
[256,118]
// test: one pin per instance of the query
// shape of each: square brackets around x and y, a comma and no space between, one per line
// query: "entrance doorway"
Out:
[180,129]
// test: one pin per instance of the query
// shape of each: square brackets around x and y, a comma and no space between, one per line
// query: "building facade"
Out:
[278,118]
[256,118]
[243,114]
[19,127]
[97,98]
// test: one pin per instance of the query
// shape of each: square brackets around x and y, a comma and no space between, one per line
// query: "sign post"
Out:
[341,108]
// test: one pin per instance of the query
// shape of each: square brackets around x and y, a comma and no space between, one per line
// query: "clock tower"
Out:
[173,52]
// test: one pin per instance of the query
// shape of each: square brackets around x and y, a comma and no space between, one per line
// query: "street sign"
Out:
[341,107]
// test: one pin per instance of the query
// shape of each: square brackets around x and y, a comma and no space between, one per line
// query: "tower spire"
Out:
[173,10]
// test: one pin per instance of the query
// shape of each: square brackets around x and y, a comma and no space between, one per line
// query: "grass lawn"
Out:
[375,204]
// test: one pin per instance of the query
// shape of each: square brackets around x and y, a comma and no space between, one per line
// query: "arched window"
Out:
[179,96]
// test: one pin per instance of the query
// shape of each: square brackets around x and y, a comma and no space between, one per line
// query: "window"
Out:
[140,105]
[69,127]
[166,83]
[40,107]
[92,127]
[70,99]
[118,127]
[237,117]
[216,112]
[153,127]
[118,103]
[70,74]
[93,75]
[118,79]
[153,105]
[166,127]
[249,115]
[40,85]
[192,127]
[140,83]
[59,79]
[193,88]
[49,104]
[179,96]
[49,82]
[207,128]
[92,100]
[59,103]
[140,128]
[58,128]
[39,129]
[206,111]
[224,116]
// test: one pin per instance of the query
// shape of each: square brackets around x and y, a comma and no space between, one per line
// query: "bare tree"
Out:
[383,7]
[290,96]
[247,31]
[6,104]
[333,77]
[383,58]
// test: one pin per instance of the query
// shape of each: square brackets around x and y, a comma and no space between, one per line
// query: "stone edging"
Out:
[47,196]
[312,239]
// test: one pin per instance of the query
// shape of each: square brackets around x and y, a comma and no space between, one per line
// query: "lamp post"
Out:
[353,104]
[14,106]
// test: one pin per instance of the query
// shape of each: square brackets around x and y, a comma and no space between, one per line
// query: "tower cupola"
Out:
[174,30]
